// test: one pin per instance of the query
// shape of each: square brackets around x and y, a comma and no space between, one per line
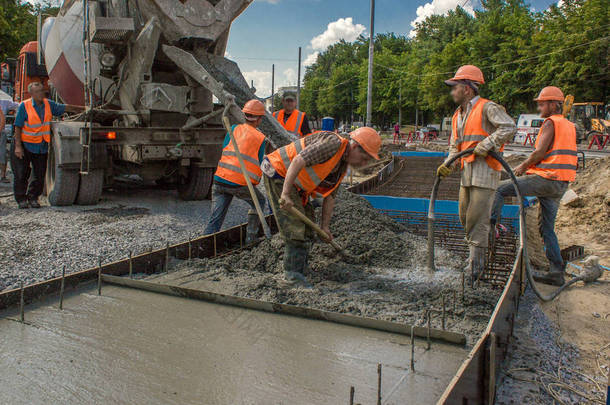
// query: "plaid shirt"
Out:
[321,147]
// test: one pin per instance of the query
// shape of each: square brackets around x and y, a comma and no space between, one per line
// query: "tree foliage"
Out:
[519,50]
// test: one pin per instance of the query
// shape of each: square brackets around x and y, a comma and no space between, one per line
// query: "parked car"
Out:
[528,124]
[431,131]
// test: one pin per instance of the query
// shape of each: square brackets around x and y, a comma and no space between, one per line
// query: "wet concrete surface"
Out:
[134,347]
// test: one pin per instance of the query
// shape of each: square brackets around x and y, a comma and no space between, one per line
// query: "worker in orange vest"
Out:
[484,125]
[293,120]
[314,165]
[31,144]
[229,180]
[546,174]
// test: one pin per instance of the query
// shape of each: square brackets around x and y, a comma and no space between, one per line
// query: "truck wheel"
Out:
[61,183]
[197,185]
[90,187]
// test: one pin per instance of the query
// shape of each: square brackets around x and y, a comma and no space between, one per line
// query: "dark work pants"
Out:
[32,163]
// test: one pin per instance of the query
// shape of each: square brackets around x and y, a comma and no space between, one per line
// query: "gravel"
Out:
[36,244]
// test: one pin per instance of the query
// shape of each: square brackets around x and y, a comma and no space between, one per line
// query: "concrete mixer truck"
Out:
[147,72]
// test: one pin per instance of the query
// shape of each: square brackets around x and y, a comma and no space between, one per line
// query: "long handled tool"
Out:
[242,165]
[318,230]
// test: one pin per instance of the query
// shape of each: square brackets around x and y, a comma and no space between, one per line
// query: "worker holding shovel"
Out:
[312,165]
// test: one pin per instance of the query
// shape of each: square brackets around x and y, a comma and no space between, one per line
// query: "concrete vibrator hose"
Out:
[522,231]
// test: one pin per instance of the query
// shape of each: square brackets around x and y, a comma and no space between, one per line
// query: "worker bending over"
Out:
[31,144]
[312,165]
[484,125]
[548,170]
[229,180]
[292,120]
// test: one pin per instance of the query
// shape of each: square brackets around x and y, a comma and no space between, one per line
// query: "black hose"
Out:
[522,231]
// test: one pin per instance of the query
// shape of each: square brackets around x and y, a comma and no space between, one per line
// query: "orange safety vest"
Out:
[473,134]
[308,179]
[249,141]
[35,131]
[294,121]
[561,161]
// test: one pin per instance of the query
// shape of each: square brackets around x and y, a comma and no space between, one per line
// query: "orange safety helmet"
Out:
[467,72]
[369,139]
[550,93]
[254,107]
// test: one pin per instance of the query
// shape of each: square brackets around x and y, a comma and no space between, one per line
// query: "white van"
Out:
[528,124]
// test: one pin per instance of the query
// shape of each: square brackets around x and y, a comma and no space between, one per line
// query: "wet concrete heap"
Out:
[391,281]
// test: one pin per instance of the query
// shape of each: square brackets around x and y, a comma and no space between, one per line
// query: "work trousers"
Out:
[297,236]
[221,199]
[35,164]
[475,210]
[549,193]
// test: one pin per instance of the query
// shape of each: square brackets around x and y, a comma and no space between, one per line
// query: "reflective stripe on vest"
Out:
[561,162]
[308,179]
[249,141]
[34,130]
[294,122]
[473,133]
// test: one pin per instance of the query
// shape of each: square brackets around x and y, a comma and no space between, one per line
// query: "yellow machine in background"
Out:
[590,118]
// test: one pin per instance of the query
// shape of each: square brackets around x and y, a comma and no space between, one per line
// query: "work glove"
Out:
[443,171]
[480,150]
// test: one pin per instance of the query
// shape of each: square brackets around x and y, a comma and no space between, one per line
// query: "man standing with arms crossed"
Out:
[293,120]
[31,144]
[548,171]
[486,126]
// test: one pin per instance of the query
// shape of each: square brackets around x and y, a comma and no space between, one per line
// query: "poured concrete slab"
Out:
[136,347]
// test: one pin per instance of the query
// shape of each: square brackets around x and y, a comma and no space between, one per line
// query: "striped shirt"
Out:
[501,129]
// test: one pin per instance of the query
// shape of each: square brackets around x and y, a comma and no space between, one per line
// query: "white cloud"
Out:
[311,59]
[262,80]
[343,28]
[438,7]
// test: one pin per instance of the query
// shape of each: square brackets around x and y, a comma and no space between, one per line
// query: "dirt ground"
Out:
[388,280]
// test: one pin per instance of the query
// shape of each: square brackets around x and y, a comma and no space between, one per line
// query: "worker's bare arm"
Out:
[18,144]
[327,213]
[547,133]
[2,121]
[297,164]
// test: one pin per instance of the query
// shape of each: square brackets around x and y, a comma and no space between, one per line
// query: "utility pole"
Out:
[38,37]
[299,82]
[369,93]
[400,102]
[416,117]
[272,87]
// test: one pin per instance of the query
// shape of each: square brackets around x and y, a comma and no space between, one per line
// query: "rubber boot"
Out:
[555,276]
[478,262]
[295,263]
[252,228]
[468,267]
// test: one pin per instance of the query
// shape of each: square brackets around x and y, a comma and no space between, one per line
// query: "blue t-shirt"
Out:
[261,154]
[22,116]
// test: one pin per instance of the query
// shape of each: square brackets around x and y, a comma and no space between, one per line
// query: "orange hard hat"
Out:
[254,107]
[550,93]
[467,72]
[369,139]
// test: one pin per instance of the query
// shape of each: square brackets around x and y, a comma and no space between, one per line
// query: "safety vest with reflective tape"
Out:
[249,141]
[561,161]
[35,131]
[294,122]
[308,179]
[473,134]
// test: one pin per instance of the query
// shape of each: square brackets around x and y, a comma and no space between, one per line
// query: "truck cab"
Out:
[28,70]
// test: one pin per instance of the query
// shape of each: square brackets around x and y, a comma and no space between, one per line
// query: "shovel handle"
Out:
[315,227]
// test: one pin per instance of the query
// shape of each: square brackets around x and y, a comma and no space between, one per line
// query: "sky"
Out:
[270,31]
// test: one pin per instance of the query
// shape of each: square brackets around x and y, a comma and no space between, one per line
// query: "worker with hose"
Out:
[229,180]
[546,174]
[314,164]
[484,125]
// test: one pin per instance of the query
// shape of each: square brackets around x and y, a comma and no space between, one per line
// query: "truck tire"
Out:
[90,187]
[198,184]
[61,183]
